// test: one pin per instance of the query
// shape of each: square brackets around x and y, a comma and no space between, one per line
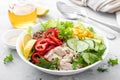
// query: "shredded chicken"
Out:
[64,54]
[65,64]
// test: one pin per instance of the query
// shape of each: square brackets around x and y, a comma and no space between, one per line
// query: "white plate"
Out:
[9,38]
[55,72]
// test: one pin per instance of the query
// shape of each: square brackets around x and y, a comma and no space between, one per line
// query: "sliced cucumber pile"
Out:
[87,44]
[77,45]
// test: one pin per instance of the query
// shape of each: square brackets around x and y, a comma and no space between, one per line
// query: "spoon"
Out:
[75,16]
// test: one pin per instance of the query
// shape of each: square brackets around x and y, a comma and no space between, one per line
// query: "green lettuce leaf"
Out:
[90,58]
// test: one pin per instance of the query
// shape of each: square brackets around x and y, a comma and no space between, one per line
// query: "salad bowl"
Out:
[38,27]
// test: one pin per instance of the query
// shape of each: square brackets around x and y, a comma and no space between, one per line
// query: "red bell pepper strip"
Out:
[35,57]
[56,32]
[41,45]
[51,31]
[50,47]
[56,40]
[50,41]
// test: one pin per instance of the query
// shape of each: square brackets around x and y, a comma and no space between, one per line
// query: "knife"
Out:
[67,10]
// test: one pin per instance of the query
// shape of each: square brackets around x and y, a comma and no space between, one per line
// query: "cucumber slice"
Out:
[77,45]
[91,43]
[82,46]
[72,43]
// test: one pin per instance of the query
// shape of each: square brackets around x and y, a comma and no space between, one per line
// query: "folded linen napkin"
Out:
[109,6]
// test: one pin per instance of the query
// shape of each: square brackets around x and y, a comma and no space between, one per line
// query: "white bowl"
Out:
[55,72]
[9,38]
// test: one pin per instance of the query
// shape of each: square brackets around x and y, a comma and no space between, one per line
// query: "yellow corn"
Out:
[82,32]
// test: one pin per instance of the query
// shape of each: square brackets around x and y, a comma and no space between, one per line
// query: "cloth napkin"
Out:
[109,6]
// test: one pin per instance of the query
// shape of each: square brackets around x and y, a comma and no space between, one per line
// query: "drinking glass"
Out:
[22,13]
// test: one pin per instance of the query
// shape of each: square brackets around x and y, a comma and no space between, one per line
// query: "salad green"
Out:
[113,61]
[90,50]
[47,64]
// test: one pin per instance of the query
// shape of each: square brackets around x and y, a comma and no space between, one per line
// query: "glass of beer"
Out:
[22,13]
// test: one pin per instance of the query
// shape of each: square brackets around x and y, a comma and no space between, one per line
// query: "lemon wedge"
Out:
[41,11]
[28,47]
[24,40]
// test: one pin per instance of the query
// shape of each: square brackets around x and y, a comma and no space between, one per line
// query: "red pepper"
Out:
[51,31]
[41,45]
[42,53]
[50,47]
[56,40]
[56,32]
[50,42]
[35,57]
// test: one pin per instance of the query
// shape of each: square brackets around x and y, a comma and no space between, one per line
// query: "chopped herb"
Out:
[113,61]
[55,64]
[74,63]
[46,64]
[102,69]
[8,58]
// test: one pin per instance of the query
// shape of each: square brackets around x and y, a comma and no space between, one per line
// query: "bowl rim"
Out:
[61,71]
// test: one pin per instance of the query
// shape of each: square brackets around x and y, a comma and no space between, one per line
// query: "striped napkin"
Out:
[109,6]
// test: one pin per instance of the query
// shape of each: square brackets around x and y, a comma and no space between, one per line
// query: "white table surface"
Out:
[19,70]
